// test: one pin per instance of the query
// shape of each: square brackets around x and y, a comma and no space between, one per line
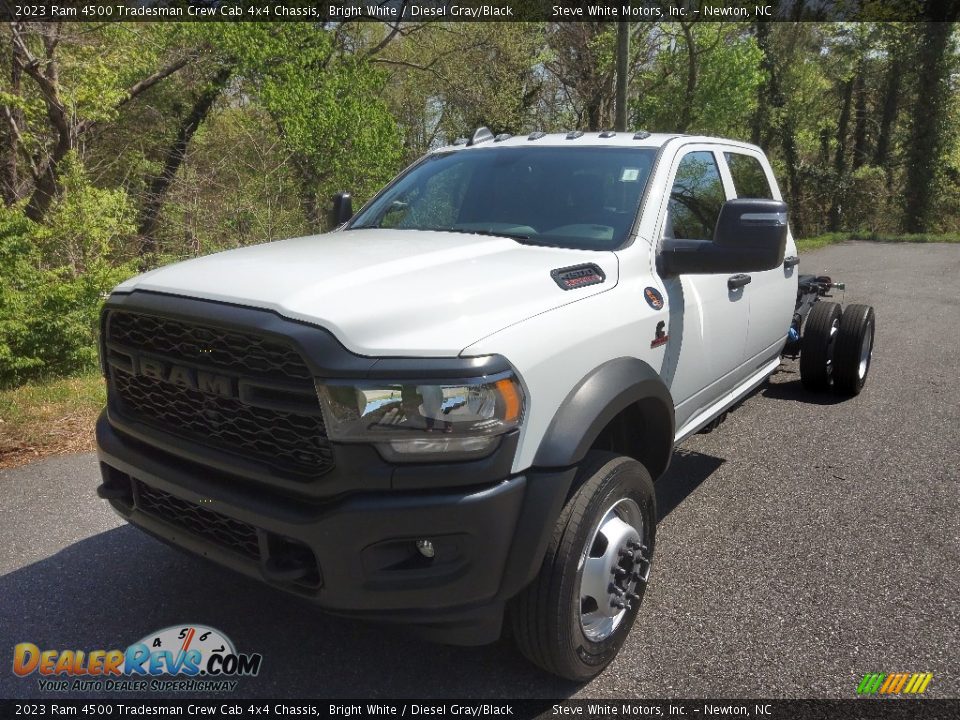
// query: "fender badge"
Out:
[660,337]
[653,297]
[577,276]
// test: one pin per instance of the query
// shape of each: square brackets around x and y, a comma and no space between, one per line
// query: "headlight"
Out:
[410,421]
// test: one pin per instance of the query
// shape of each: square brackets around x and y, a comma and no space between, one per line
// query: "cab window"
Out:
[695,198]
[749,179]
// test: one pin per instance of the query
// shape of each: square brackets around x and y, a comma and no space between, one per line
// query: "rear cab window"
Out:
[749,178]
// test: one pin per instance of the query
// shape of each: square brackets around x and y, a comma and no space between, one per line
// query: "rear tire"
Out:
[817,346]
[566,621]
[853,349]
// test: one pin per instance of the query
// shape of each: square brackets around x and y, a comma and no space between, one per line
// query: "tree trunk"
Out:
[173,159]
[10,183]
[791,155]
[840,157]
[765,130]
[888,112]
[594,108]
[686,112]
[860,153]
[623,56]
[760,123]
[929,113]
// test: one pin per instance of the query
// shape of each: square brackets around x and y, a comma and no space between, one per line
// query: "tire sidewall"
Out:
[619,479]
[869,327]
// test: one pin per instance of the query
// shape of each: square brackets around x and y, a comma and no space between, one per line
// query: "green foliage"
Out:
[819,241]
[725,66]
[216,204]
[327,106]
[53,278]
[445,84]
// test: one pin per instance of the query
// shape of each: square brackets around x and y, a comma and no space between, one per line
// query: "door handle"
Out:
[738,281]
[792,261]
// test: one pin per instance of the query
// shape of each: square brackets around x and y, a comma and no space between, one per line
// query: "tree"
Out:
[445,80]
[701,78]
[582,60]
[326,101]
[77,86]
[933,62]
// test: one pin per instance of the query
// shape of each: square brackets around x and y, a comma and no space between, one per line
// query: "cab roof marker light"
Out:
[536,135]
[502,136]
[608,134]
[574,134]
[481,134]
[641,135]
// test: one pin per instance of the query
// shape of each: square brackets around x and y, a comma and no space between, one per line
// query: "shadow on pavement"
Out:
[688,470]
[794,390]
[111,589]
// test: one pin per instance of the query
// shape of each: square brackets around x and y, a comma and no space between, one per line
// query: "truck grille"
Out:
[243,353]
[221,530]
[292,439]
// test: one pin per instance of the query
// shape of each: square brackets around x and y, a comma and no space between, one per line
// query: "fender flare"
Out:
[598,398]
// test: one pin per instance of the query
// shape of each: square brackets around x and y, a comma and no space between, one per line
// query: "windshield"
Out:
[584,198]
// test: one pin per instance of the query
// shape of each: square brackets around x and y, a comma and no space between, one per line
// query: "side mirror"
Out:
[342,209]
[750,236]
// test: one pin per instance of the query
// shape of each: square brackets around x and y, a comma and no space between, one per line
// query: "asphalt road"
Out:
[802,544]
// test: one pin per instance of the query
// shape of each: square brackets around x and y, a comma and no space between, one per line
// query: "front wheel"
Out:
[574,617]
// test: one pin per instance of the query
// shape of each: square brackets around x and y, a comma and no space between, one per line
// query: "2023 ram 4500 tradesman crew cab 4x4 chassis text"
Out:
[452,408]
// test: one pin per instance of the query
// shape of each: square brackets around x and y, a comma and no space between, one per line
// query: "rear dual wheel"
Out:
[854,349]
[837,348]
[574,617]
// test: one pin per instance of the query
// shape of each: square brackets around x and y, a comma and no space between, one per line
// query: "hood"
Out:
[388,292]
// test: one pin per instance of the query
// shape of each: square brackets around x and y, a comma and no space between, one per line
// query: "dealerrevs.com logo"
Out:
[177,658]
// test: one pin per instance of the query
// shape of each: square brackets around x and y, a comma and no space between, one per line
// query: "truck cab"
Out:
[451,409]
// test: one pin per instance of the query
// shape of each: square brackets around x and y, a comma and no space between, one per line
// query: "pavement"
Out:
[805,542]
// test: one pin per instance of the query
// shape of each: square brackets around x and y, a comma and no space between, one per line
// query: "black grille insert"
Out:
[289,438]
[244,353]
[221,530]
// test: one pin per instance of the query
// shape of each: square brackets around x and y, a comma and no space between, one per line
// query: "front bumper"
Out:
[355,554]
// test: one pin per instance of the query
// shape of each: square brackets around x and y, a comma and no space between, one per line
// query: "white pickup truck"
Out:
[451,409]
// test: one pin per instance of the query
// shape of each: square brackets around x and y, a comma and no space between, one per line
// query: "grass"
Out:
[820,241]
[49,417]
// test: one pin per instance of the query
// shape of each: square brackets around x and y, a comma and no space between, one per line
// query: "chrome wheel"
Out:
[834,329]
[866,352]
[613,564]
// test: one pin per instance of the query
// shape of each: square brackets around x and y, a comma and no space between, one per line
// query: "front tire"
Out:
[574,617]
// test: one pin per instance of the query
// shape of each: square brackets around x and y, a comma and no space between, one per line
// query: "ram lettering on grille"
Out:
[187,380]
